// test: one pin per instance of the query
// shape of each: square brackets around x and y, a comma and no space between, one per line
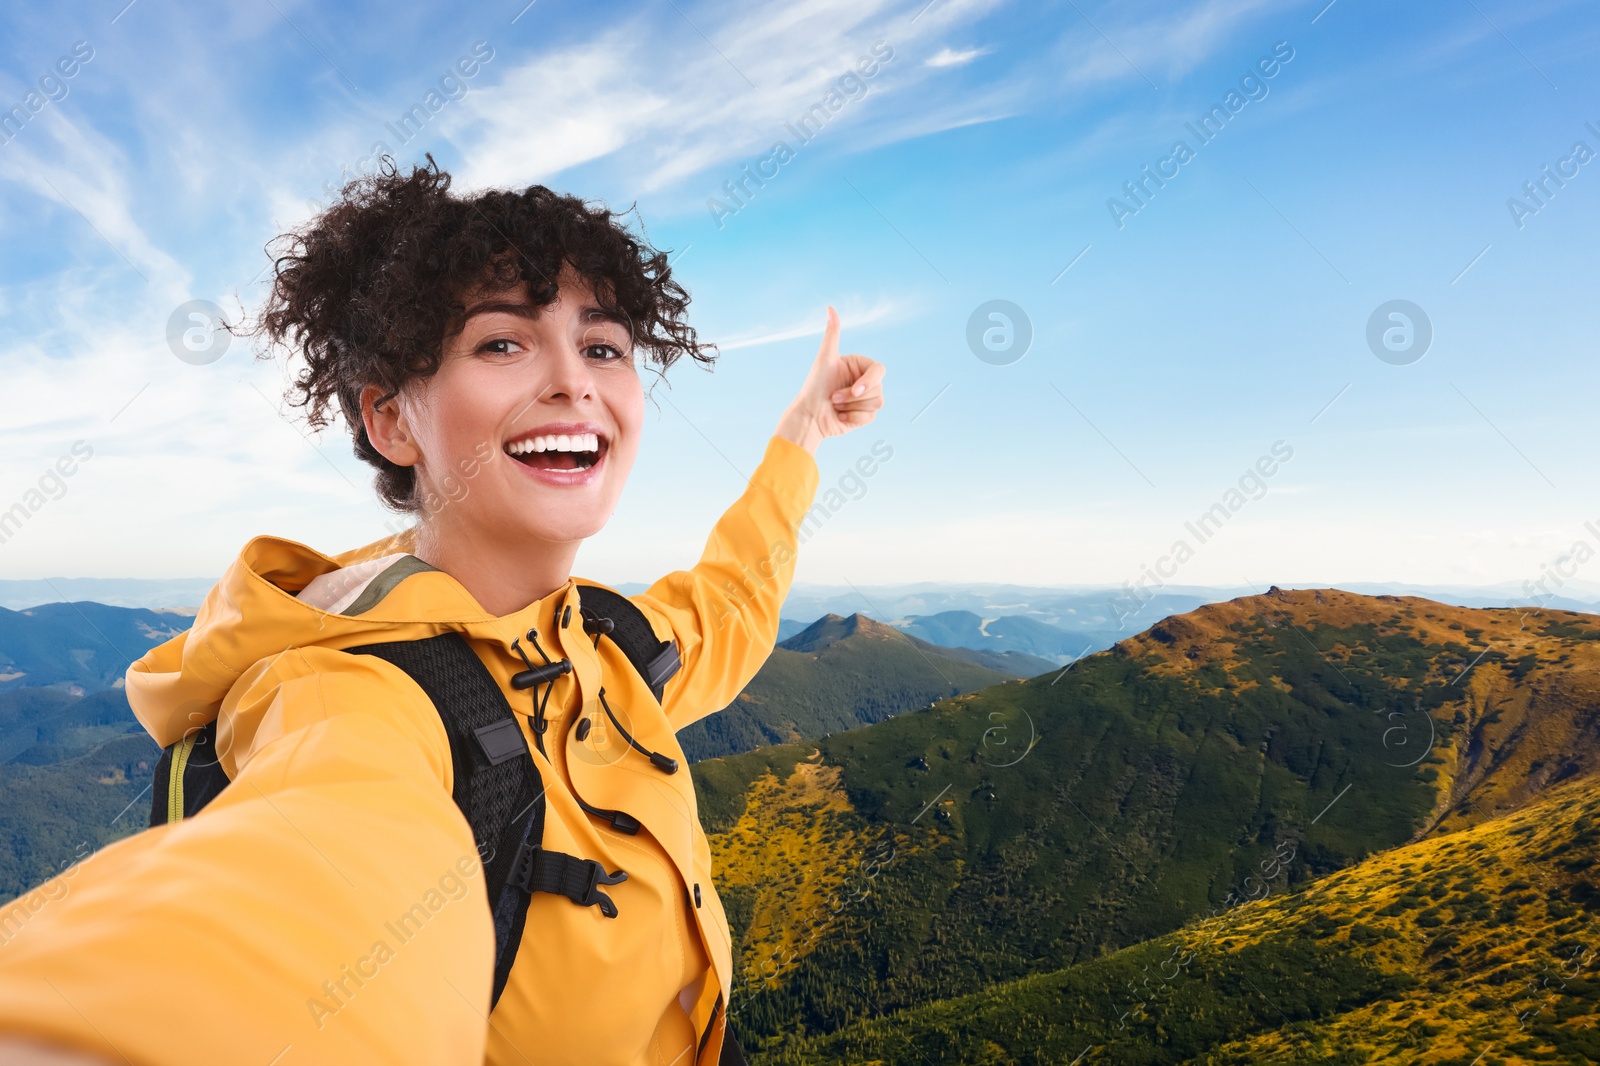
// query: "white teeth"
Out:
[563,442]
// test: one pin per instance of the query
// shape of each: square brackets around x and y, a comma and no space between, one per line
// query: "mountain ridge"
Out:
[1066,815]
[840,672]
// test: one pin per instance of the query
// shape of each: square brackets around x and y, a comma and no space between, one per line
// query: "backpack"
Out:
[497,783]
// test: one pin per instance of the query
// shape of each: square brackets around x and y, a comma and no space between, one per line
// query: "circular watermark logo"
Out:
[1007,743]
[1399,741]
[999,332]
[1399,332]
[196,333]
[600,743]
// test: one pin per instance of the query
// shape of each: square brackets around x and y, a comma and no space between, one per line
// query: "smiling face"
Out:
[529,428]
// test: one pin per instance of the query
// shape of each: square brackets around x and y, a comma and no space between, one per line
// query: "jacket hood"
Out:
[252,615]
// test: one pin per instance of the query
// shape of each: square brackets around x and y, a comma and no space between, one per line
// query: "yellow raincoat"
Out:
[329,905]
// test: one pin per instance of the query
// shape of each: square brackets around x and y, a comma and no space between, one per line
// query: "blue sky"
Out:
[1172,347]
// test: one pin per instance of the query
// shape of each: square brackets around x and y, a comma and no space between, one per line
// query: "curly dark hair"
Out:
[369,291]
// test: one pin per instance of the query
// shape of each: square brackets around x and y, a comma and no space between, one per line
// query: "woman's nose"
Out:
[569,373]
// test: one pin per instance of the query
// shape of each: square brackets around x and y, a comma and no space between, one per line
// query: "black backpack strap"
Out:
[497,787]
[188,775]
[656,660]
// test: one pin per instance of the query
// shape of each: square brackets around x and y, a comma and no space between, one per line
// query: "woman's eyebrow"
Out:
[592,312]
[510,307]
[527,310]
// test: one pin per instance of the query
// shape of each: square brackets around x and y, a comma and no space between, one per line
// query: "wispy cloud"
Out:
[811,325]
[946,57]
[83,172]
[1156,42]
[725,96]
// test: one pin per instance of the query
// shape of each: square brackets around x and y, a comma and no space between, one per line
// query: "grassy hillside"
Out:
[1481,946]
[1528,713]
[1041,824]
[839,673]
[52,814]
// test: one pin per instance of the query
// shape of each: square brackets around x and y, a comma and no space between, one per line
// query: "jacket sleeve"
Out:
[326,907]
[723,613]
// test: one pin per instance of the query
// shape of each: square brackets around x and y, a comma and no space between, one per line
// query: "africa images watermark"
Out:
[453,85]
[15,916]
[454,489]
[52,485]
[1252,86]
[52,87]
[452,887]
[1562,569]
[1537,193]
[1135,594]
[850,85]
[852,485]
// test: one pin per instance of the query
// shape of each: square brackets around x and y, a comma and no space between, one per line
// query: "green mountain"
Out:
[839,673]
[1040,825]
[1478,947]
[69,766]
[39,726]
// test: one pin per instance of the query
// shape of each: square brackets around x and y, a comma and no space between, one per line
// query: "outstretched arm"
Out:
[723,612]
[325,907]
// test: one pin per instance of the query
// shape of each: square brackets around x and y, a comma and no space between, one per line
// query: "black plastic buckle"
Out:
[520,875]
[533,869]
[591,894]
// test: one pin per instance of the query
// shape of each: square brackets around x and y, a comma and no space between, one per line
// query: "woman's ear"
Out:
[387,427]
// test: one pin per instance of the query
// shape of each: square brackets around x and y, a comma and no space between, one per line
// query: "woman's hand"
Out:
[841,393]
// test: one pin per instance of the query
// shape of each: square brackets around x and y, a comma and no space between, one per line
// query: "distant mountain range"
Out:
[83,646]
[1101,615]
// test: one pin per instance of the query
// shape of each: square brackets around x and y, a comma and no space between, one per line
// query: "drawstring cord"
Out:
[597,626]
[664,763]
[533,676]
[546,675]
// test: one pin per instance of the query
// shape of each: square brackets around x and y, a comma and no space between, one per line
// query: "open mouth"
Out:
[577,451]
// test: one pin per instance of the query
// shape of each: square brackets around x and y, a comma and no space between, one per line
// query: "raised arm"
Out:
[723,612]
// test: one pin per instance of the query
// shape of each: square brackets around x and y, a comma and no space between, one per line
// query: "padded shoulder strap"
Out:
[656,660]
[497,784]
[498,788]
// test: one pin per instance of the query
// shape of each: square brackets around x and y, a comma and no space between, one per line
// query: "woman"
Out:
[329,904]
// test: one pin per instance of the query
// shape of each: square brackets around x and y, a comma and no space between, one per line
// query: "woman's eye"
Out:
[616,352]
[496,346]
